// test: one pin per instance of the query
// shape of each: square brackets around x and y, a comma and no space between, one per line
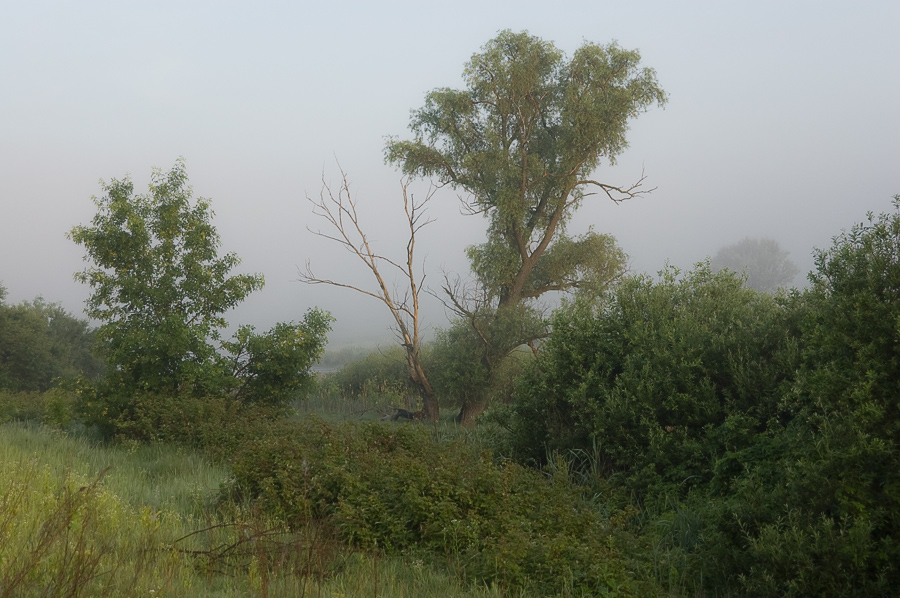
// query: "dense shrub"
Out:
[395,488]
[816,509]
[55,407]
[474,361]
[274,368]
[660,377]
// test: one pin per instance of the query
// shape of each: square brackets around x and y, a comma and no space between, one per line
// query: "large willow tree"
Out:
[522,143]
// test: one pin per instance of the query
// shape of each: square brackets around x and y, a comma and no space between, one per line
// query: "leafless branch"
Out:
[617,194]
[338,209]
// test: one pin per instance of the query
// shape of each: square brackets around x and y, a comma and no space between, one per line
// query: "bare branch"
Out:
[617,194]
[339,210]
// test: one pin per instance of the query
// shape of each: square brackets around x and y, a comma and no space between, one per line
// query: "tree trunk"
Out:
[430,407]
[469,411]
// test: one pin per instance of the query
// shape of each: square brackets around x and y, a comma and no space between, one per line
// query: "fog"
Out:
[782,122]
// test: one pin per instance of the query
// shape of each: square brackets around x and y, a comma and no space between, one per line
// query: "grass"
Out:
[164,478]
[80,518]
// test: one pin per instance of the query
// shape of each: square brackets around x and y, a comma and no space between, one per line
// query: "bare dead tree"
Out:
[339,210]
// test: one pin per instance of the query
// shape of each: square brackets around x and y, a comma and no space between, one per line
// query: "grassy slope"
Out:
[67,521]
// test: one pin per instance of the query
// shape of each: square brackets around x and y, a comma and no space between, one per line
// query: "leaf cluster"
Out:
[521,141]
[769,424]
[161,289]
[273,367]
[660,374]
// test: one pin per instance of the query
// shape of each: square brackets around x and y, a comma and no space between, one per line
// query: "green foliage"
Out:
[159,286]
[835,464]
[55,407]
[468,362]
[395,488]
[274,367]
[41,344]
[80,519]
[763,262]
[660,375]
[523,140]
[161,289]
[150,527]
[457,365]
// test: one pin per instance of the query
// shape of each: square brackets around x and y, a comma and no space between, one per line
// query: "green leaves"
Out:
[271,368]
[40,344]
[654,370]
[159,286]
[522,140]
[396,489]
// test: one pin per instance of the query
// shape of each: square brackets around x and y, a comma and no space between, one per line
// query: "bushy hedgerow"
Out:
[395,488]
[814,508]
[54,408]
[760,434]
[213,424]
[660,376]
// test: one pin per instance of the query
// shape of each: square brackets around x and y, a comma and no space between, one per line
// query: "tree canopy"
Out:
[522,141]
[41,343]
[159,285]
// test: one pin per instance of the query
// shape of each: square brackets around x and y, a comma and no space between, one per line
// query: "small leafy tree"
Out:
[468,360]
[160,289]
[766,266]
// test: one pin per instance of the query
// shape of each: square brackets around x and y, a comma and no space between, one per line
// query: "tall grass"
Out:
[164,478]
[82,519]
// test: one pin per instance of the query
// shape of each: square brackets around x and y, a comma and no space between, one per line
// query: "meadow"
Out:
[78,517]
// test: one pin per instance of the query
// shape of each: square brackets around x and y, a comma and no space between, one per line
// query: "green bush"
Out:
[55,407]
[41,344]
[395,488]
[381,376]
[660,377]
[274,368]
[816,507]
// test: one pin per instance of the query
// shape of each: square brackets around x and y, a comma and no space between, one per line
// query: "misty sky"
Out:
[783,122]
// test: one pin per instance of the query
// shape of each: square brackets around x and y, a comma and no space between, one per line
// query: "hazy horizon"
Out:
[782,123]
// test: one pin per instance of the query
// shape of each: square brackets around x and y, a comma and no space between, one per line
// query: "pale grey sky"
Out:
[782,122]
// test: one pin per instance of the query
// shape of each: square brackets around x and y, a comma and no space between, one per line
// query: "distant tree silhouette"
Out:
[762,261]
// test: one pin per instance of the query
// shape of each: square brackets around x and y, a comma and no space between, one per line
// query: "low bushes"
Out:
[659,377]
[395,488]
